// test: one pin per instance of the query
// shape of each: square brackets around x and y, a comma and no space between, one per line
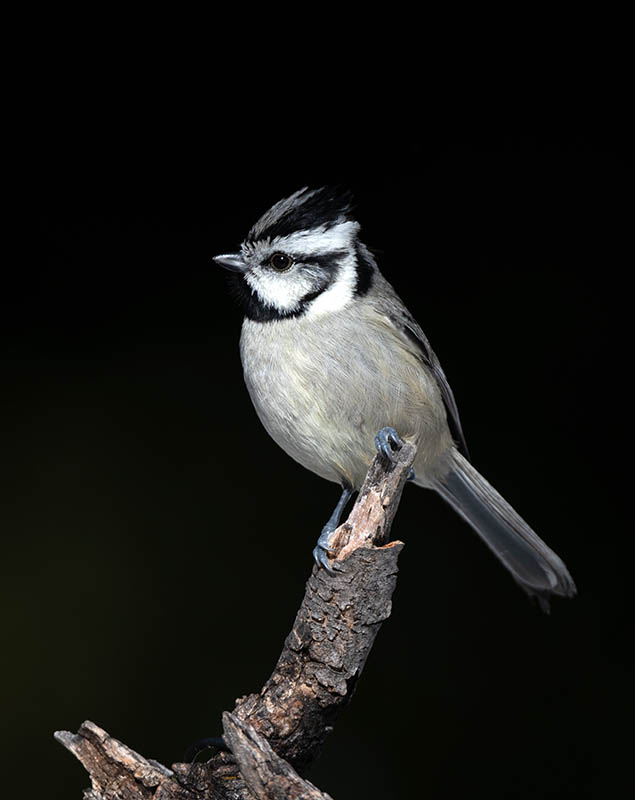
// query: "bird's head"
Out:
[302,257]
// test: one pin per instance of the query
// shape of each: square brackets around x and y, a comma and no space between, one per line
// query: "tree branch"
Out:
[266,775]
[272,734]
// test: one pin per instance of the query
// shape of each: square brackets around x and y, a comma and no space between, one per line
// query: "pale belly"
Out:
[323,400]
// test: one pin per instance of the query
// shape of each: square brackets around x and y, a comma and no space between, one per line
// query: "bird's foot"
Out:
[322,549]
[388,442]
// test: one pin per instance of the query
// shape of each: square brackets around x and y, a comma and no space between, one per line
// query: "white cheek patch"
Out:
[339,294]
[282,292]
[285,291]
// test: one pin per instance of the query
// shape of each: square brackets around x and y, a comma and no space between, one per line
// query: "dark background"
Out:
[155,540]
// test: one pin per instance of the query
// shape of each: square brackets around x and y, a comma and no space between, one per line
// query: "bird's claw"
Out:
[322,550]
[321,558]
[387,442]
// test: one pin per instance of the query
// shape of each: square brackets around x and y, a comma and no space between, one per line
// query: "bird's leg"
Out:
[387,443]
[323,547]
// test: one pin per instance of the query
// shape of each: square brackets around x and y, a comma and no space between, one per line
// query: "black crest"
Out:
[303,210]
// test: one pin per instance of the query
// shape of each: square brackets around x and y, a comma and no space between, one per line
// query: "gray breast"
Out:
[323,388]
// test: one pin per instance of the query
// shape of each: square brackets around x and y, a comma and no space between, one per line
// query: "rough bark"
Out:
[281,729]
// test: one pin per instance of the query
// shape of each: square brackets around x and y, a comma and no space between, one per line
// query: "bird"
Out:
[337,369]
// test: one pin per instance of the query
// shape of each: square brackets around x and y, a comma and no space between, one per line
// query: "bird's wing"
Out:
[408,327]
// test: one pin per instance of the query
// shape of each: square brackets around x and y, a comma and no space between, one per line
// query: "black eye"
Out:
[280,261]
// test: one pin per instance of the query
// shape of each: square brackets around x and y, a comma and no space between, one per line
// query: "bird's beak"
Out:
[232,261]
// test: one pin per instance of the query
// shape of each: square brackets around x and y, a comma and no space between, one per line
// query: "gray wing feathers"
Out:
[452,411]
[534,566]
[401,318]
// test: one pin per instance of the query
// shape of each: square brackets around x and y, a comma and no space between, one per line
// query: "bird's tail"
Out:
[534,566]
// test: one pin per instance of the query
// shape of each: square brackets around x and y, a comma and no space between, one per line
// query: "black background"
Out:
[156,541]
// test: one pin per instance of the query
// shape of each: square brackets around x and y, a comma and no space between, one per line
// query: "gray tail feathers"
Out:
[534,566]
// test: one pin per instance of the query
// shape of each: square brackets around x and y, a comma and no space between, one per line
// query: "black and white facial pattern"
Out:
[303,257]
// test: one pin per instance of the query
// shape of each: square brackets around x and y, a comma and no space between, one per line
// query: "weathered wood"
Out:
[281,729]
[116,771]
[266,775]
[335,626]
